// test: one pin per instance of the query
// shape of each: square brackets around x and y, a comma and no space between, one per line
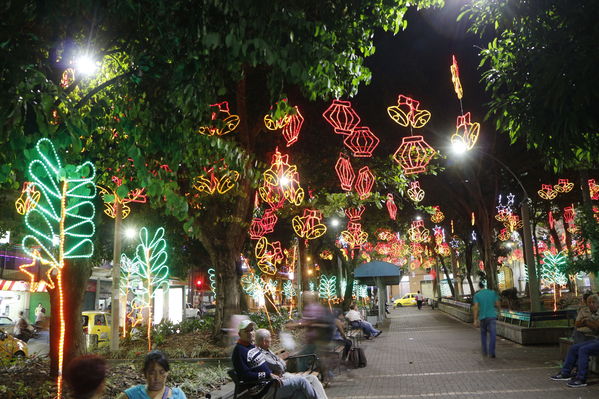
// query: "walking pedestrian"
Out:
[486,305]
[419,300]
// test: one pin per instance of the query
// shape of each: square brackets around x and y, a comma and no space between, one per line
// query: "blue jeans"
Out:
[578,355]
[366,327]
[295,387]
[488,325]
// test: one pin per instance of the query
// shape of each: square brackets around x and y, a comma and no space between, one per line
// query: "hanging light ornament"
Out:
[210,183]
[68,77]
[547,192]
[414,154]
[28,199]
[269,255]
[264,225]
[504,235]
[364,182]
[418,233]
[111,198]
[551,220]
[415,193]
[354,236]
[513,223]
[326,255]
[355,214]
[281,181]
[271,124]
[569,214]
[391,207]
[443,249]
[455,78]
[222,121]
[438,216]
[292,129]
[596,213]
[593,189]
[342,117]
[407,113]
[563,186]
[361,142]
[466,132]
[416,248]
[309,225]
[345,172]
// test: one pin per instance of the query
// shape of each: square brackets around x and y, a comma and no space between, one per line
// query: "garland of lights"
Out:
[222,121]
[212,278]
[415,193]
[309,225]
[342,117]
[391,207]
[61,225]
[111,199]
[28,199]
[407,113]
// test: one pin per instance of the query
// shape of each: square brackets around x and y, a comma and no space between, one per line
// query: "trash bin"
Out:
[91,342]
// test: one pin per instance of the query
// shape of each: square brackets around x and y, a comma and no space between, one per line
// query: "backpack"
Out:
[356,358]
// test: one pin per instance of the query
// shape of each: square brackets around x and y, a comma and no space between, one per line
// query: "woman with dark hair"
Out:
[156,368]
[86,375]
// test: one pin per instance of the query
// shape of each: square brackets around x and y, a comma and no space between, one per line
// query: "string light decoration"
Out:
[504,234]
[391,207]
[68,77]
[455,77]
[443,249]
[355,214]
[503,215]
[326,255]
[129,282]
[292,129]
[271,124]
[596,213]
[547,192]
[360,291]
[361,142]
[345,172]
[438,216]
[269,255]
[282,178]
[34,284]
[209,183]
[593,189]
[415,193]
[418,233]
[439,234]
[466,132]
[222,121]
[513,223]
[551,272]
[364,182]
[254,286]
[112,200]
[414,154]
[61,225]
[563,186]
[327,287]
[212,278]
[354,237]
[28,199]
[309,225]
[263,225]
[342,117]
[289,290]
[407,113]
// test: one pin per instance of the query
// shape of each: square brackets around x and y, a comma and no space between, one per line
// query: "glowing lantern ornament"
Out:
[222,121]
[407,113]
[563,186]
[269,255]
[28,199]
[415,193]
[418,233]
[466,133]
[61,225]
[364,182]
[342,117]
[113,201]
[391,207]
[455,77]
[438,216]
[345,172]
[414,154]
[292,129]
[263,225]
[547,192]
[593,189]
[361,142]
[309,225]
[355,214]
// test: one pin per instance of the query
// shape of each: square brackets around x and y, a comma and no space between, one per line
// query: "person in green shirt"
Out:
[486,304]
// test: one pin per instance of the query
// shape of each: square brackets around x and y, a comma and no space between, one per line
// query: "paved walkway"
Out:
[427,354]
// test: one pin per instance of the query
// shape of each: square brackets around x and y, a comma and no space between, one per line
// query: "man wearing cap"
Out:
[250,365]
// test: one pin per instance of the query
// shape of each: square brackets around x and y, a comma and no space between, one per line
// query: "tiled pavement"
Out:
[427,354]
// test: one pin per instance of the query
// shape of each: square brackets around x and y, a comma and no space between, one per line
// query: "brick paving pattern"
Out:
[427,354]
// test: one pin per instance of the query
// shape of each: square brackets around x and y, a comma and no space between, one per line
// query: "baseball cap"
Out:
[245,324]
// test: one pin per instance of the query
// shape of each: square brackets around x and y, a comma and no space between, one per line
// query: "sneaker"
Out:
[577,383]
[378,333]
[561,377]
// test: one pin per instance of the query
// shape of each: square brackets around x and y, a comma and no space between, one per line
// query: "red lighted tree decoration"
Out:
[413,154]
[222,121]
[309,225]
[547,192]
[593,189]
[466,132]
[407,113]
[345,172]
[361,142]
[355,214]
[391,207]
[415,193]
[292,129]
[563,186]
[364,182]
[455,78]
[342,117]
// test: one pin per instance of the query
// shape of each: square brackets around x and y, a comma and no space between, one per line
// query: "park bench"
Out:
[530,319]
[564,345]
[244,389]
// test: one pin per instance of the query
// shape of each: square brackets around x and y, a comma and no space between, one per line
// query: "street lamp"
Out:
[533,284]
[130,233]
[85,65]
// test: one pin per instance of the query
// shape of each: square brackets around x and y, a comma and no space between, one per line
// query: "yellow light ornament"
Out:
[28,199]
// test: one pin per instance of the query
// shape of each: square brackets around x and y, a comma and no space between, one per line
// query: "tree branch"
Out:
[101,87]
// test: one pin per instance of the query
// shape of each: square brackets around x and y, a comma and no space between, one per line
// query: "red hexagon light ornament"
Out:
[342,117]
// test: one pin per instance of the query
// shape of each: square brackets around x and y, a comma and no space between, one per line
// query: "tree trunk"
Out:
[227,287]
[456,281]
[447,276]
[587,208]
[468,260]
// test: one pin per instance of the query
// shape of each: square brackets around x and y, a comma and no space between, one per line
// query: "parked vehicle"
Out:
[191,312]
[97,322]
[11,347]
[6,322]
[406,300]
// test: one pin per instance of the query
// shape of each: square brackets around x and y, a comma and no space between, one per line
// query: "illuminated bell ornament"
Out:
[503,215]
[513,223]
[269,255]
[271,124]
[439,234]
[418,233]
[292,129]
[355,214]
[415,193]
[210,183]
[593,189]
[547,192]
[391,207]
[569,214]
[455,77]
[504,235]
[342,117]
[345,172]
[414,154]
[222,121]
[443,249]
[438,216]
[361,142]
[326,255]
[563,186]
[309,225]
[406,113]
[466,132]
[28,199]
[364,182]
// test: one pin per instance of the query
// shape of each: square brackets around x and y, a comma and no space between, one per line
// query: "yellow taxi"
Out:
[408,299]
[11,347]
[97,322]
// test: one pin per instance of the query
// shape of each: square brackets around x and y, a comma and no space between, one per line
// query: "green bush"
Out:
[261,320]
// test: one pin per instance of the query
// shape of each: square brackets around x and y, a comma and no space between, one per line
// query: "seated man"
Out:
[278,366]
[250,365]
[578,354]
[355,319]
[582,332]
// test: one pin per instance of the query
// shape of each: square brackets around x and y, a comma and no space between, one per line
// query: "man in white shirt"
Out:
[355,319]
[419,300]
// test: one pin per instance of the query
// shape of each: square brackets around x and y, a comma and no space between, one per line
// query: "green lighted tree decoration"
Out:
[151,257]
[289,290]
[551,273]
[327,287]
[61,225]
[212,277]
[130,282]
